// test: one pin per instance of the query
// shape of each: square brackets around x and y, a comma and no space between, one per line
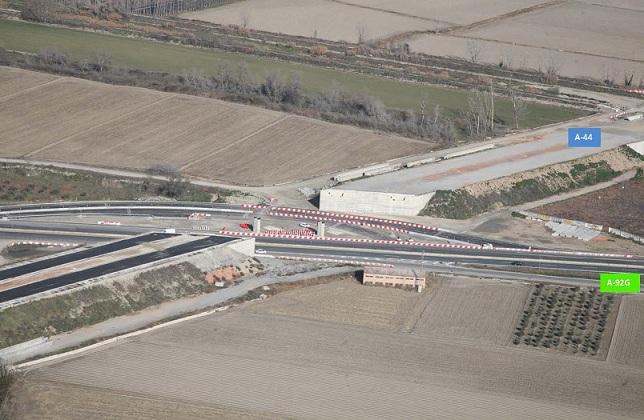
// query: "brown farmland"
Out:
[273,358]
[323,19]
[628,339]
[620,206]
[78,121]
[578,39]
[472,310]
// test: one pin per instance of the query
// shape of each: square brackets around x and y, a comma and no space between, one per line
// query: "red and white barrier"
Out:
[297,232]
[352,240]
[348,222]
[56,244]
[635,90]
[198,216]
[344,217]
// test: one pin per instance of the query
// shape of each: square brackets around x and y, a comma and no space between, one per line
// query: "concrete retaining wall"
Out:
[368,202]
[637,146]
[626,235]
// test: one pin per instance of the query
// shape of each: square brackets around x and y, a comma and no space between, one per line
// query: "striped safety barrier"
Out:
[253,206]
[348,222]
[198,216]
[344,217]
[297,232]
[57,244]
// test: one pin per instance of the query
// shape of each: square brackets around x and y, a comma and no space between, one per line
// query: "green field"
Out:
[156,56]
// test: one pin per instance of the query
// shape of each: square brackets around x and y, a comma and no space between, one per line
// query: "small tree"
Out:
[102,62]
[362,34]
[519,107]
[39,10]
[551,72]
[473,50]
[245,19]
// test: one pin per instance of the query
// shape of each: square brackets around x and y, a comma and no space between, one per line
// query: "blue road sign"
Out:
[584,137]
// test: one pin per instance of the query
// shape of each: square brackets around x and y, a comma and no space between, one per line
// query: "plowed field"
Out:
[77,121]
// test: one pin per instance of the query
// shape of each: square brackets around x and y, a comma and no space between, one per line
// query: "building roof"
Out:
[384,271]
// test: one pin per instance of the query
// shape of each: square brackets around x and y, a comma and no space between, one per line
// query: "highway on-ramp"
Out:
[80,255]
[109,268]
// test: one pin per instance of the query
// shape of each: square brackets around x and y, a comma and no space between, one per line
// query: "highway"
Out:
[109,268]
[359,250]
[80,255]
[184,209]
[428,258]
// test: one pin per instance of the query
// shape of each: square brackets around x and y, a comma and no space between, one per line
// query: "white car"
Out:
[305,225]
[260,251]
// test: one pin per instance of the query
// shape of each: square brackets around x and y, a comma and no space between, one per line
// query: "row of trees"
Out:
[42,9]
[336,104]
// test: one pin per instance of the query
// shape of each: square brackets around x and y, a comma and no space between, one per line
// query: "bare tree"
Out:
[628,80]
[479,116]
[362,34]
[422,106]
[551,71]
[506,60]
[473,50]
[519,107]
[39,10]
[102,61]
[196,80]
[609,75]
[245,19]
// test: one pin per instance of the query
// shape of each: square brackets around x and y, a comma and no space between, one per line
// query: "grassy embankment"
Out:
[156,56]
[7,379]
[539,184]
[22,183]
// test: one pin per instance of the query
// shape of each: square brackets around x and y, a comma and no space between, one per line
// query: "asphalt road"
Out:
[429,258]
[80,255]
[184,209]
[109,268]
[491,254]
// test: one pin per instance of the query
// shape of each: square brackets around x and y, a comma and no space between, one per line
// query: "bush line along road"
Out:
[356,249]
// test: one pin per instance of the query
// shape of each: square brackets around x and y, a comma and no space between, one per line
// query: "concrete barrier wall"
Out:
[612,231]
[548,218]
[368,202]
[626,235]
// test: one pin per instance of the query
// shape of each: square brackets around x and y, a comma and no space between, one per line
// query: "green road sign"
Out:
[619,283]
